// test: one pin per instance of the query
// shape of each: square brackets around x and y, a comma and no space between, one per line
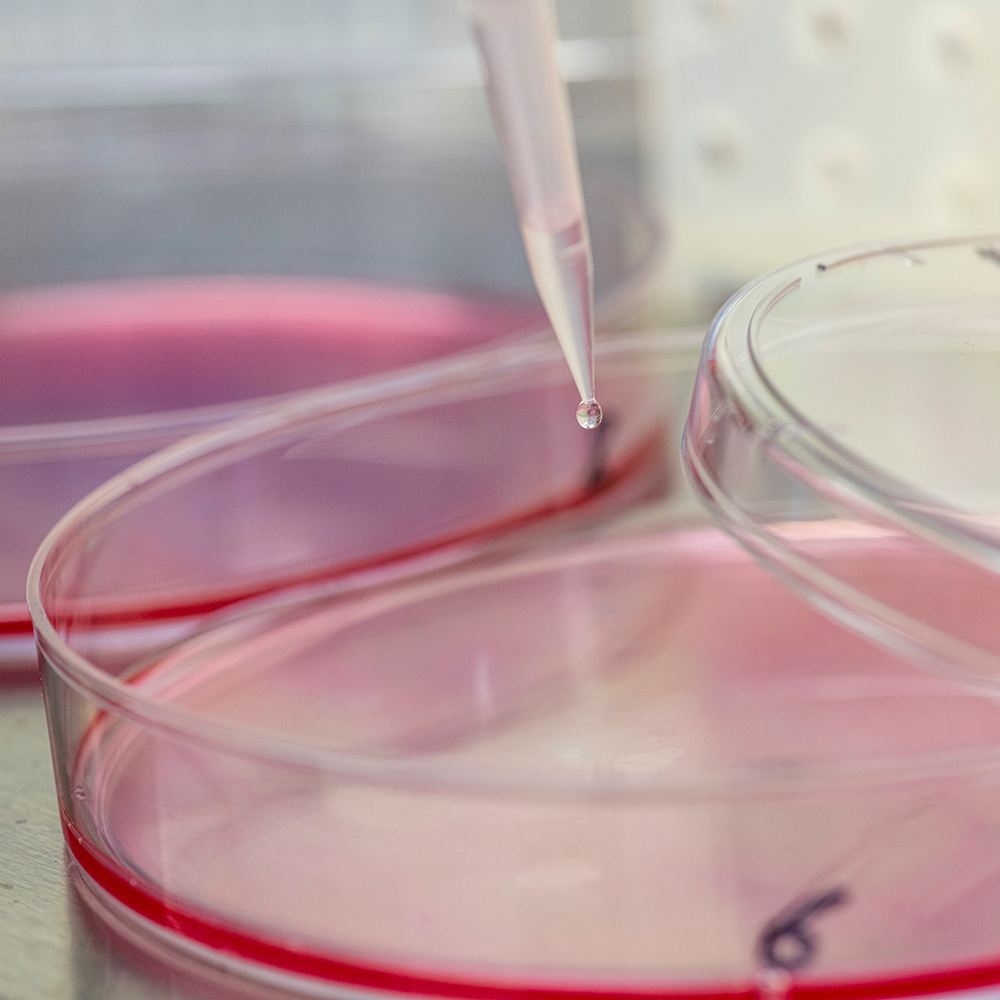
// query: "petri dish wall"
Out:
[179,238]
[844,429]
[619,759]
[100,374]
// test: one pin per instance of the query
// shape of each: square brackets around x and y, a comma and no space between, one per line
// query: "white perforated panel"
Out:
[778,128]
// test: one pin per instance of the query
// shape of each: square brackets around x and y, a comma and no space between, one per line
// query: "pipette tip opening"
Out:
[589,414]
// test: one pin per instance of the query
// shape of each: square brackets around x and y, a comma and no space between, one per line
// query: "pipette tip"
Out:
[589,414]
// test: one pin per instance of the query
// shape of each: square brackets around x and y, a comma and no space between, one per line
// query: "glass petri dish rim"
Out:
[461,375]
[433,381]
[732,358]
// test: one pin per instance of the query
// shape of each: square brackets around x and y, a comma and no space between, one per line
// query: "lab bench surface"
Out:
[51,946]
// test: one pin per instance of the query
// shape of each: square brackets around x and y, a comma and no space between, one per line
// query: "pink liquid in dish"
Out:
[634,768]
[98,376]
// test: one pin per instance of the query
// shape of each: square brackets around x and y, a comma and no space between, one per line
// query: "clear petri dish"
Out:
[102,372]
[844,429]
[98,375]
[613,760]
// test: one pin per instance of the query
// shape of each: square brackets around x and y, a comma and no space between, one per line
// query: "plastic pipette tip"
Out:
[589,414]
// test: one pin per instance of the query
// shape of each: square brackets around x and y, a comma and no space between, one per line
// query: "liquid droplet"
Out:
[589,414]
[79,792]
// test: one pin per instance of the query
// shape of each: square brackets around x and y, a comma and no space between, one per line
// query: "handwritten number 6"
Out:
[787,942]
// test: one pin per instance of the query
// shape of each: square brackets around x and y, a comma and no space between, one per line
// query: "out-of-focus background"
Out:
[780,128]
[193,132]
[286,135]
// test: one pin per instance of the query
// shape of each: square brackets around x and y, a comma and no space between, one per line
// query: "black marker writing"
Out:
[787,942]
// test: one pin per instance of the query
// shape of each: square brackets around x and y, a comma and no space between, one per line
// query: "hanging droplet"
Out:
[589,414]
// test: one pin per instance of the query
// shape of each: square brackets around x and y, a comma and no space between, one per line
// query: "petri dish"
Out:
[844,428]
[100,374]
[619,759]
[102,371]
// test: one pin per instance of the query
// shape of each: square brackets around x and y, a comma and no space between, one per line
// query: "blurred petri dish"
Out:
[101,373]
[846,429]
[620,761]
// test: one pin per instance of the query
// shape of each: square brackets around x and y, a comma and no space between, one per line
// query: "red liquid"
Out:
[671,658]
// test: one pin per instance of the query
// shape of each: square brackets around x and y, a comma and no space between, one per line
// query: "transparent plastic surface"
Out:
[851,403]
[621,760]
[99,374]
